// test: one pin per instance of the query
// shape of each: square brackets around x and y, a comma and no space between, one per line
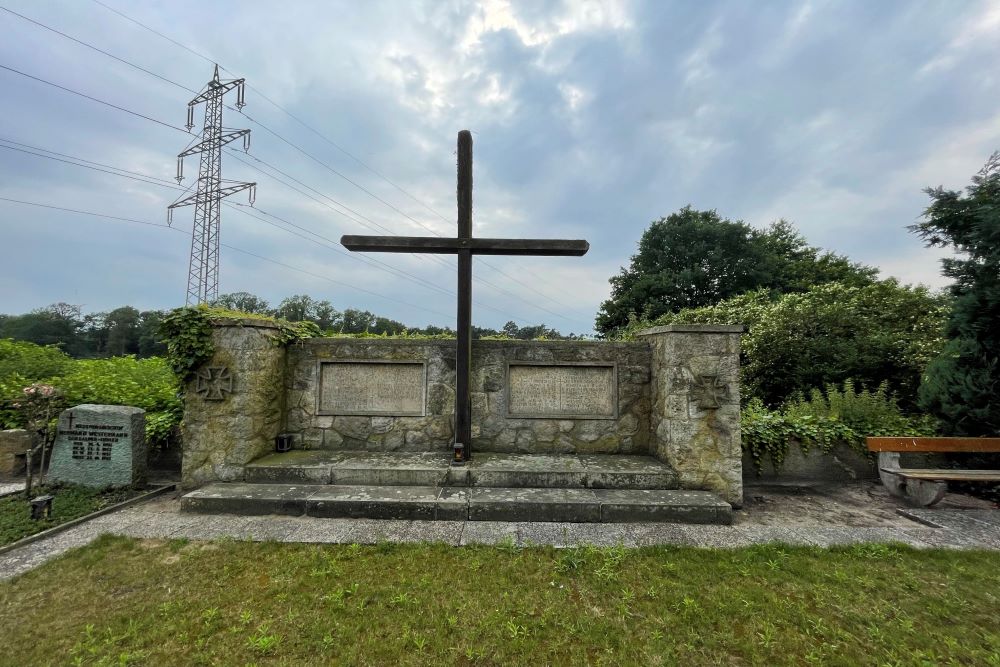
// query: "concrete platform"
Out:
[461,503]
[486,469]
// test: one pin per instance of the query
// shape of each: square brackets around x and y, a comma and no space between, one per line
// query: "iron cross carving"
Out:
[709,391]
[465,246]
[214,383]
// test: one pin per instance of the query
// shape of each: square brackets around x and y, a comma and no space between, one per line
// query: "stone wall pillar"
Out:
[695,394]
[235,404]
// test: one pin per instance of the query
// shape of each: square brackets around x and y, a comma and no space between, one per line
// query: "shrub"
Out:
[883,332]
[145,383]
[31,361]
[825,419]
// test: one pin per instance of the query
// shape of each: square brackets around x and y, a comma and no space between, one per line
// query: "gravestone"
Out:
[100,446]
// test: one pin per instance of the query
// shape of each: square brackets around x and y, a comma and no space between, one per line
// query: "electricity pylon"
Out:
[203,268]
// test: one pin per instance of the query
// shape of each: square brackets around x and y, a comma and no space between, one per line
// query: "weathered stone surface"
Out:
[546,390]
[384,387]
[493,428]
[13,445]
[673,394]
[576,505]
[695,406]
[100,446]
[220,437]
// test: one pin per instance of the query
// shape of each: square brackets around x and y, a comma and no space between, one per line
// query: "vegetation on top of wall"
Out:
[187,333]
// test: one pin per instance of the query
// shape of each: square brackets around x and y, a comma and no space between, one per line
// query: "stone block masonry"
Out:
[672,394]
[234,406]
[13,445]
[695,415]
[568,397]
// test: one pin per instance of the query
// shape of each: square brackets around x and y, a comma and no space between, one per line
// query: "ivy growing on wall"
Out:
[187,333]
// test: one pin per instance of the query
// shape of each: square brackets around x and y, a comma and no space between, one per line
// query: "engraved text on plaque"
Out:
[371,388]
[560,391]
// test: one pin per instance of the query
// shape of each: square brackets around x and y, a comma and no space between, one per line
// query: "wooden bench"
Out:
[926,486]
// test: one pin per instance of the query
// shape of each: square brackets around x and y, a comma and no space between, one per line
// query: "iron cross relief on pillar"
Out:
[465,246]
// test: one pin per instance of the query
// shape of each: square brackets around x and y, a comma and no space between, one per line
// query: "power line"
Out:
[230,247]
[142,178]
[331,244]
[99,50]
[435,259]
[342,150]
[93,99]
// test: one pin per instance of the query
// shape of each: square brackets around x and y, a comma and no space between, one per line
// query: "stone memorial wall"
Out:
[673,393]
[366,394]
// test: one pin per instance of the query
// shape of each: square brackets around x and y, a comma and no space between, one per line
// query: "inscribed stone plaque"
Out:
[562,391]
[372,388]
[100,446]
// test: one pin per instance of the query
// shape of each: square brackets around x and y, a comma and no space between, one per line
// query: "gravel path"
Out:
[817,516]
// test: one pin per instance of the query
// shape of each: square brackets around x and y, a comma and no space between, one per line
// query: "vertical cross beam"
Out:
[463,358]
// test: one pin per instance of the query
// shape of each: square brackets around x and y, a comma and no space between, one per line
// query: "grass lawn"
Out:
[122,601]
[70,502]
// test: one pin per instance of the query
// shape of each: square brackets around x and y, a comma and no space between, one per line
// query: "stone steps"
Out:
[487,469]
[474,503]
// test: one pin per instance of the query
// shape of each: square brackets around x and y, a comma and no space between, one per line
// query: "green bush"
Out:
[30,361]
[148,383]
[868,413]
[145,383]
[825,419]
[883,332]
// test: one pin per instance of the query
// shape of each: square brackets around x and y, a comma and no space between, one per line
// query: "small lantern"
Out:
[459,455]
[283,442]
[41,507]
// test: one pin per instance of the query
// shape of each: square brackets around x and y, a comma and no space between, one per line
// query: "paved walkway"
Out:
[816,516]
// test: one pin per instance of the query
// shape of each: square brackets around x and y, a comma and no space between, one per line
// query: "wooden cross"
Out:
[465,246]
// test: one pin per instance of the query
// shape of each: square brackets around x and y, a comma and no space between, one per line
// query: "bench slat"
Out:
[972,445]
[946,475]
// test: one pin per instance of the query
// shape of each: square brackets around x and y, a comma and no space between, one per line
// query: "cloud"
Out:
[590,119]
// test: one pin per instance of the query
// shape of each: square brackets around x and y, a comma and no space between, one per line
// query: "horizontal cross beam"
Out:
[433,244]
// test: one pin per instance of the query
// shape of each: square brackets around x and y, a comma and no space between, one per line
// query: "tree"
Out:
[325,315]
[150,342]
[695,258]
[58,324]
[962,384]
[295,308]
[123,331]
[244,302]
[882,332]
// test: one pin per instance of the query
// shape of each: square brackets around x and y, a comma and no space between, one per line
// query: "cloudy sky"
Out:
[590,119]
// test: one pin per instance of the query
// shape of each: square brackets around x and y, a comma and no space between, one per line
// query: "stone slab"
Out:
[577,390]
[100,446]
[364,387]
[487,469]
[671,506]
[459,503]
[248,499]
[374,502]
[520,504]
